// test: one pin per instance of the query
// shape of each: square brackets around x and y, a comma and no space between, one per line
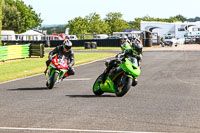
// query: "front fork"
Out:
[134,79]
[50,73]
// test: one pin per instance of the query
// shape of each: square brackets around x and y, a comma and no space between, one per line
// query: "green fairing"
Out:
[108,86]
[127,66]
[126,47]
[52,72]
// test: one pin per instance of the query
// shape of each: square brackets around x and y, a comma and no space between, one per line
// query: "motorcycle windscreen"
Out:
[131,66]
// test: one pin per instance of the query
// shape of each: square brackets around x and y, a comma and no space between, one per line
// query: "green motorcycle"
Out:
[120,77]
[57,70]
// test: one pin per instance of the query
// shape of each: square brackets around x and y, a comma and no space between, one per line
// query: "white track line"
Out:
[70,130]
[43,73]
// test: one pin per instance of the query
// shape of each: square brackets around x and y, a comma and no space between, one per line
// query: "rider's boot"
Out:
[104,77]
[134,83]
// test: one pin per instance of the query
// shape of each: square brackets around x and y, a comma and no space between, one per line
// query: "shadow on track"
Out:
[27,89]
[88,96]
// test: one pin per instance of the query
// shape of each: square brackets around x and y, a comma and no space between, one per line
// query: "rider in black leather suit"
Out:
[64,49]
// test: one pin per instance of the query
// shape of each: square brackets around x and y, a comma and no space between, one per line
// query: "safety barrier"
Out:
[80,43]
[37,50]
[14,51]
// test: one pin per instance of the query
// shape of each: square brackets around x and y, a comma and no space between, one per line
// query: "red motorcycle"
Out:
[57,71]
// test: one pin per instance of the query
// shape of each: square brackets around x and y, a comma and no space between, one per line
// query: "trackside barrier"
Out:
[14,51]
[81,43]
[37,50]
[90,45]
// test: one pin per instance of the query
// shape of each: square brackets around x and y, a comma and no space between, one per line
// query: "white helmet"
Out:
[67,44]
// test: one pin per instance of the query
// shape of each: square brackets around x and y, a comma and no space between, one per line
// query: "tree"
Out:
[11,16]
[89,24]
[194,19]
[136,22]
[18,16]
[116,23]
[96,25]
[181,18]
[78,25]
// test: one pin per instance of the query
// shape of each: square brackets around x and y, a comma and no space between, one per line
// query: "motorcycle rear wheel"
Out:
[122,88]
[52,81]
[96,87]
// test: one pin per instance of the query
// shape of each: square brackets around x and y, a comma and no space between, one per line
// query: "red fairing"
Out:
[66,74]
[55,61]
[62,66]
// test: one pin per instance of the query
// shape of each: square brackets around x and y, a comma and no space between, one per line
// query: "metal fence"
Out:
[53,40]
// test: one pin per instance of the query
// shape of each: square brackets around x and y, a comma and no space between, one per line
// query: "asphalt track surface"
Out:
[167,99]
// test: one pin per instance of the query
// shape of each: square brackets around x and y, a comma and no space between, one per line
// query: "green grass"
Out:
[14,69]
[98,49]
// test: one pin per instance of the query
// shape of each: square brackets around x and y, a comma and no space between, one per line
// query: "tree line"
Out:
[113,22]
[18,16]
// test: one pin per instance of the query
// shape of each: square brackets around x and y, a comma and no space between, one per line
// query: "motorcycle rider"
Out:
[124,40]
[138,48]
[133,48]
[64,49]
[162,41]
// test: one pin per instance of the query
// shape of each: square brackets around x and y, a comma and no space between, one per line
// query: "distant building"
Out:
[177,29]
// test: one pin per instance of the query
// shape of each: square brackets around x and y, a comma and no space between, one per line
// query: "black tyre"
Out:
[52,81]
[87,45]
[122,85]
[93,45]
[96,87]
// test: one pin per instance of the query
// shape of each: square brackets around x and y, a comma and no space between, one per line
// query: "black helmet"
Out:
[67,44]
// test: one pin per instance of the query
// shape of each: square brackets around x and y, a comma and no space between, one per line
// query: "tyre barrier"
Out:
[37,50]
[90,45]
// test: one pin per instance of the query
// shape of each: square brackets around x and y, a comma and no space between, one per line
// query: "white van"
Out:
[100,36]
[72,37]
[7,35]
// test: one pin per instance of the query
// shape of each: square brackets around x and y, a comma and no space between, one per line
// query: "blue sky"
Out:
[61,11]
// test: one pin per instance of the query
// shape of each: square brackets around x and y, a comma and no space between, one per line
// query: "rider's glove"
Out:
[50,57]
[69,66]
[118,56]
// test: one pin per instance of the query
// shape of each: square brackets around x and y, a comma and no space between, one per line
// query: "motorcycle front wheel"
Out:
[122,85]
[52,81]
[96,87]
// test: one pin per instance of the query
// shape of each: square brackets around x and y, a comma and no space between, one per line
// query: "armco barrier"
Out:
[80,43]
[14,51]
[37,50]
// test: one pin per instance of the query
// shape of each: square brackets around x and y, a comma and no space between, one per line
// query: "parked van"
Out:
[7,35]
[61,35]
[100,36]
[72,37]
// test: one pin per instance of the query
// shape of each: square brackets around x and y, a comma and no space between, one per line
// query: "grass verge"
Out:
[98,49]
[20,68]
